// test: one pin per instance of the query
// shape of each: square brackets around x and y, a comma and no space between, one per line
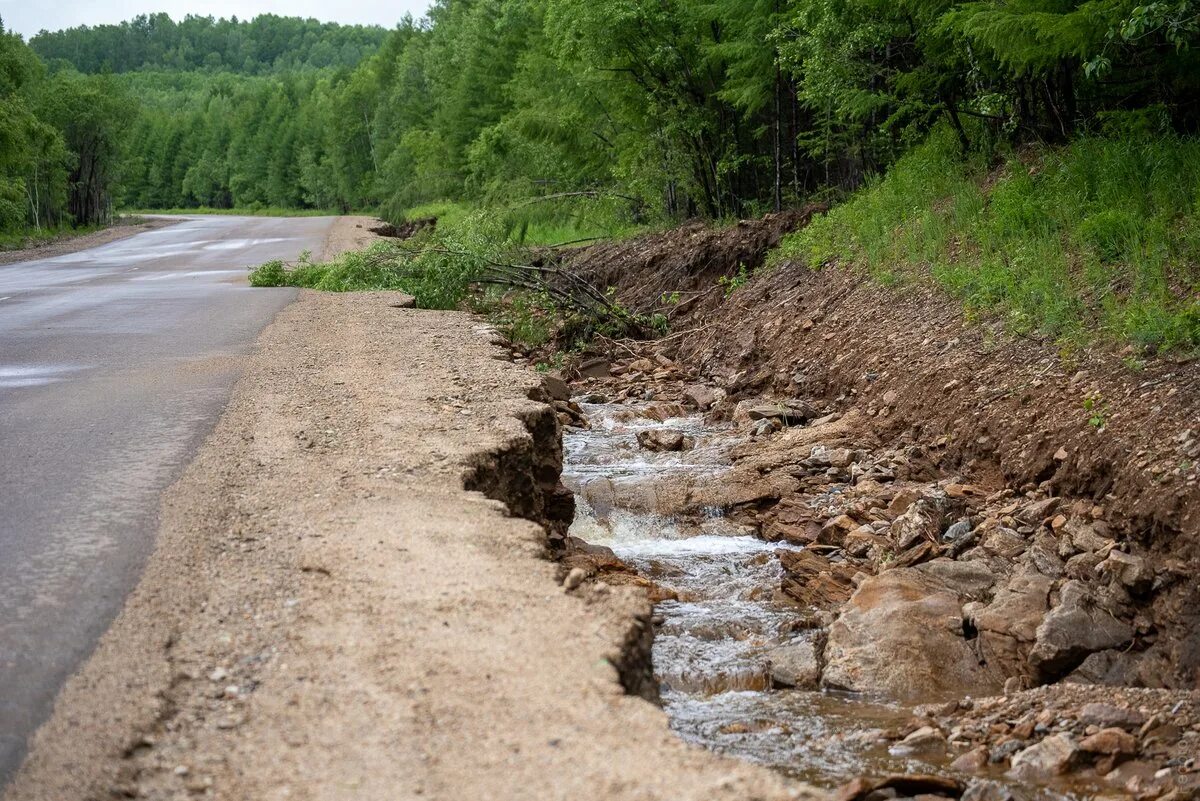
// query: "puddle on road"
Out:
[34,375]
[714,646]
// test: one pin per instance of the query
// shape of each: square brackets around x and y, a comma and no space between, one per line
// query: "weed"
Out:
[733,283]
[1097,409]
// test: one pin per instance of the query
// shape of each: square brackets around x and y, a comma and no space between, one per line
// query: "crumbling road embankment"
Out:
[329,613]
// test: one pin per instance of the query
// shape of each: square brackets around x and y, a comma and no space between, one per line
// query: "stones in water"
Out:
[664,439]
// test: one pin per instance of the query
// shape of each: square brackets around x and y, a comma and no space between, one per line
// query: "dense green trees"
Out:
[268,43]
[713,107]
[62,140]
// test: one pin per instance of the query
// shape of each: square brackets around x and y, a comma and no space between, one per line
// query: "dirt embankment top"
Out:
[1120,445]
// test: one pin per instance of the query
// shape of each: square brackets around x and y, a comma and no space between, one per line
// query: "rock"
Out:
[1082,566]
[1108,716]
[835,530]
[703,397]
[796,664]
[1112,668]
[556,387]
[663,439]
[1008,625]
[1129,571]
[595,368]
[974,761]
[840,457]
[906,785]
[1036,512]
[1043,554]
[1003,541]
[921,521]
[813,580]
[925,740]
[789,412]
[902,634]
[863,541]
[574,578]
[663,411]
[921,552]
[1053,756]
[986,790]
[1110,742]
[1087,536]
[1074,628]
[957,531]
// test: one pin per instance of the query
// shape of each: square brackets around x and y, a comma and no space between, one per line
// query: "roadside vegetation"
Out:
[1097,239]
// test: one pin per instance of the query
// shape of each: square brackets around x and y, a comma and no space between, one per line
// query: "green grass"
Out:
[1098,240]
[248,212]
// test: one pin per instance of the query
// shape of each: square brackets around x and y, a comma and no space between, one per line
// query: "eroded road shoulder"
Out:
[329,614]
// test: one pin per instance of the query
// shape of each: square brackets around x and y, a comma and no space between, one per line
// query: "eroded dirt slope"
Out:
[1119,448]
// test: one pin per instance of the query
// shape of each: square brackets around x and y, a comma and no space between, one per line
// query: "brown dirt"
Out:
[350,233]
[330,614]
[994,409]
[70,243]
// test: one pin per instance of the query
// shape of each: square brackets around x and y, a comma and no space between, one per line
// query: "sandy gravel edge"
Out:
[328,614]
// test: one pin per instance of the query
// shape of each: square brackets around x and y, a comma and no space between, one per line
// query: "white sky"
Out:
[27,17]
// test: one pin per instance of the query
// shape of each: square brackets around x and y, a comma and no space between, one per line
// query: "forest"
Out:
[669,110]
[718,108]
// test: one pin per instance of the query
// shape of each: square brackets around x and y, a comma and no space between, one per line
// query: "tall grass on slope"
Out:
[1096,240]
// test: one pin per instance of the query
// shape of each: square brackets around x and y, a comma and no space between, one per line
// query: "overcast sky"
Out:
[27,17]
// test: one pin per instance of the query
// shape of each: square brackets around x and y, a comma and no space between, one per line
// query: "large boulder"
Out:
[902,634]
[1079,625]
[1008,625]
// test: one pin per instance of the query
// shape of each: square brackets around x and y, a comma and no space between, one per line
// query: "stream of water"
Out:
[714,645]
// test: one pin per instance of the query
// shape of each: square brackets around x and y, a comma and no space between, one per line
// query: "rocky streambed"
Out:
[837,608]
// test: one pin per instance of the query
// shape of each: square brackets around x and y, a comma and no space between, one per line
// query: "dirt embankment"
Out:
[997,410]
[331,612]
[981,513]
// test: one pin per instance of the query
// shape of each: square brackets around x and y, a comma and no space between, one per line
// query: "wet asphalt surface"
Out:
[115,363]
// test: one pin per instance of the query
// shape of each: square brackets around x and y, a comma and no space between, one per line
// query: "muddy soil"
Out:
[955,516]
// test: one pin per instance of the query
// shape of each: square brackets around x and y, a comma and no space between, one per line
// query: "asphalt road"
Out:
[115,363]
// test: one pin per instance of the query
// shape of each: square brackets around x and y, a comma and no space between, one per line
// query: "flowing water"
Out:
[713,647]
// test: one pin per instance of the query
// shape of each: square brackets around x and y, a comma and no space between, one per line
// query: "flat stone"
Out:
[1112,741]
[1110,716]
[1053,756]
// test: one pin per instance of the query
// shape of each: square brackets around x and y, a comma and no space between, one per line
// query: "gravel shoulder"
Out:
[63,245]
[329,614]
